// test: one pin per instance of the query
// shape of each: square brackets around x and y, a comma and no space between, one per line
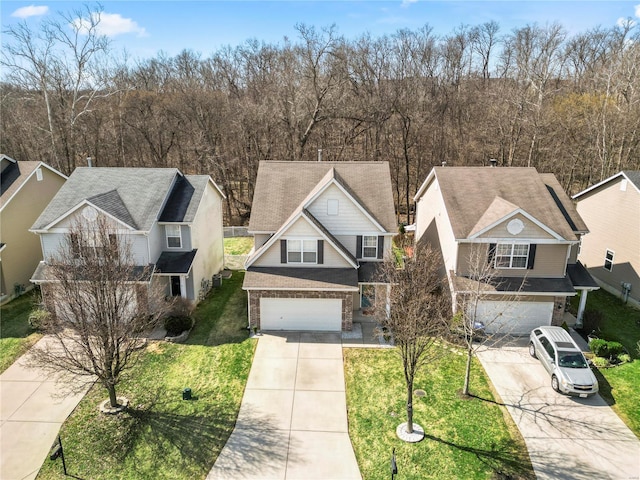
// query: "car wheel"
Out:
[532,350]
[554,383]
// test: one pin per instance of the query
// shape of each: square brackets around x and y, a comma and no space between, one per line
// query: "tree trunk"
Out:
[409,407]
[467,372]
[112,395]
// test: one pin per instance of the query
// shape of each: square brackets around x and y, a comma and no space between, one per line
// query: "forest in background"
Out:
[534,96]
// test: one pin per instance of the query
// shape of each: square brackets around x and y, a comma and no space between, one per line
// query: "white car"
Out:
[559,354]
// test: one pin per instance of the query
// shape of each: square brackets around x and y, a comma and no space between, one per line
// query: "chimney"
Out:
[319,154]
[493,162]
[89,163]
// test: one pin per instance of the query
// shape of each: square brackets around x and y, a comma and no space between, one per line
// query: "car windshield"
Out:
[572,360]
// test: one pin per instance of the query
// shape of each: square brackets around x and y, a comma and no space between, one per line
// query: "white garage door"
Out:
[514,318]
[318,314]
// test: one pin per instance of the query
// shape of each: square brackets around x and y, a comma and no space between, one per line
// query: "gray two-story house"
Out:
[170,221]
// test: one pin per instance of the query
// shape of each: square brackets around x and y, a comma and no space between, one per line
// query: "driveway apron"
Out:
[293,418]
[32,410]
[567,437]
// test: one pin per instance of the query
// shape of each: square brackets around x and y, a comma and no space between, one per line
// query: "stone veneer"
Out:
[256,295]
[558,311]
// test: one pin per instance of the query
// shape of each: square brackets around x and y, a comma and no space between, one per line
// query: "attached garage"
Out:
[314,314]
[514,318]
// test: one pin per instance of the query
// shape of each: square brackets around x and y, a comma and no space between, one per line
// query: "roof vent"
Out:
[319,154]
[444,163]
[493,162]
[89,162]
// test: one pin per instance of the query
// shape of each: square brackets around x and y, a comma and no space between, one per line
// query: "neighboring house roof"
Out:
[15,175]
[283,187]
[288,278]
[138,197]
[633,176]
[475,197]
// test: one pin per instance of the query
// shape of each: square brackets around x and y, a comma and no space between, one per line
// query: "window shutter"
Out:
[380,247]
[492,253]
[532,256]
[320,252]
[283,251]
[359,246]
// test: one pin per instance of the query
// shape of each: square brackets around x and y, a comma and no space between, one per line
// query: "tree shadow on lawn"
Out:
[504,462]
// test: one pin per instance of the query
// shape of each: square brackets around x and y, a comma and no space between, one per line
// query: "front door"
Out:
[175,286]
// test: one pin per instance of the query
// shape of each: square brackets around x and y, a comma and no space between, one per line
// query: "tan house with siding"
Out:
[320,230]
[25,190]
[611,251]
[517,224]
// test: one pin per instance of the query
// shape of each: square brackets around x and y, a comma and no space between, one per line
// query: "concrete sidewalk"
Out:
[293,419]
[31,414]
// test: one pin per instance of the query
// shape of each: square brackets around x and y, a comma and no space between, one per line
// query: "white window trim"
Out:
[167,236]
[302,251]
[606,260]
[511,256]
[375,255]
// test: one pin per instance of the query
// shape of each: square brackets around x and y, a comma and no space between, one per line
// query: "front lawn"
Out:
[15,334]
[238,245]
[471,439]
[162,436]
[619,386]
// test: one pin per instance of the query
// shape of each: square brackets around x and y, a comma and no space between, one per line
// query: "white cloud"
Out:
[637,7]
[626,21]
[406,3]
[113,24]
[30,11]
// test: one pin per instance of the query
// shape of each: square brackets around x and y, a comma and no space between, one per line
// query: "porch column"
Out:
[583,304]
[183,286]
[388,301]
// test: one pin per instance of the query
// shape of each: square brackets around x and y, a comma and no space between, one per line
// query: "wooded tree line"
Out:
[534,96]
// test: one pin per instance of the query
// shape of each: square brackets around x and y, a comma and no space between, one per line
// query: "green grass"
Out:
[465,438]
[162,436]
[15,334]
[238,245]
[619,386]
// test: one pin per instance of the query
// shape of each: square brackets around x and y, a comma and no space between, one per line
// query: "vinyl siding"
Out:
[613,219]
[260,239]
[432,223]
[350,219]
[549,262]
[531,230]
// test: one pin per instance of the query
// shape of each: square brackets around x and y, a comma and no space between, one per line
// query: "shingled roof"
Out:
[281,188]
[469,193]
[135,196]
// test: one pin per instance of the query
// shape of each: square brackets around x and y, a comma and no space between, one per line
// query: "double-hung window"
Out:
[370,246]
[302,251]
[608,260]
[174,238]
[512,255]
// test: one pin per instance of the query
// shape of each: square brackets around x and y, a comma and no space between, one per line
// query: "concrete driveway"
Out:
[567,437]
[293,419]
[32,411]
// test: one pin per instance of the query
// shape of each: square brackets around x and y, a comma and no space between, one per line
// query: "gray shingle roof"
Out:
[281,187]
[175,262]
[633,176]
[133,195]
[270,278]
[516,285]
[469,191]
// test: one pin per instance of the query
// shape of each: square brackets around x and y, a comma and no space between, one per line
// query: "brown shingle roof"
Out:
[13,177]
[293,278]
[281,187]
[468,192]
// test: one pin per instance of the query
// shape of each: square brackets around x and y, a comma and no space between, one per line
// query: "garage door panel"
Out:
[514,318]
[312,314]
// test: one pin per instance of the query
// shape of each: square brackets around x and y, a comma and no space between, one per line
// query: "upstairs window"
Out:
[608,260]
[511,255]
[369,246]
[174,237]
[302,251]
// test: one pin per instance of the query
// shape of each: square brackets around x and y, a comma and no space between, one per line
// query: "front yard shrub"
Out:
[176,324]
[600,362]
[606,349]
[37,318]
[624,358]
[598,346]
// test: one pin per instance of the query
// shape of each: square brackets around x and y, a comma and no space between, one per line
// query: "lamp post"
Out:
[58,451]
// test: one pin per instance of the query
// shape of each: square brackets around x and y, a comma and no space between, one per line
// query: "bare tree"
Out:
[417,313]
[99,302]
[470,324]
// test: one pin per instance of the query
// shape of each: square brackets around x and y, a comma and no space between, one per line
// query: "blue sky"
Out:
[146,27]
